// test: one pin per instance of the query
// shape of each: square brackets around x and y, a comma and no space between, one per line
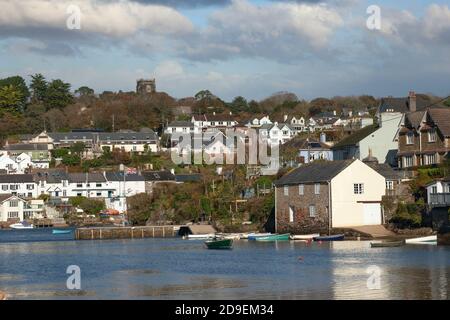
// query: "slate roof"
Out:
[118,176]
[181,124]
[188,177]
[302,144]
[86,177]
[356,137]
[158,176]
[26,147]
[385,170]
[16,178]
[51,176]
[414,118]
[127,136]
[318,171]
[441,117]
[402,104]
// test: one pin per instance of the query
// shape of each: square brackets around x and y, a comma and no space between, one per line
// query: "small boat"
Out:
[304,236]
[336,237]
[254,236]
[61,231]
[217,243]
[274,237]
[200,236]
[387,244]
[22,226]
[423,240]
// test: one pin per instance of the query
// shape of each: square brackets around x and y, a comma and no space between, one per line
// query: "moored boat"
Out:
[336,237]
[387,244]
[304,236]
[254,236]
[61,231]
[274,237]
[21,226]
[200,236]
[423,240]
[217,243]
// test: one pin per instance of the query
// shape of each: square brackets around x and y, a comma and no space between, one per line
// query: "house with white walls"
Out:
[14,208]
[323,195]
[277,133]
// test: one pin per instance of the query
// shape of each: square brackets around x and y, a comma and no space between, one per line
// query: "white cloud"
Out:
[113,18]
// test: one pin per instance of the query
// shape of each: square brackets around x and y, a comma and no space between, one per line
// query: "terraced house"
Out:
[424,138]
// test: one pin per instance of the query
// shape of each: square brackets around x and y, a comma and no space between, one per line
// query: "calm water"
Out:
[33,266]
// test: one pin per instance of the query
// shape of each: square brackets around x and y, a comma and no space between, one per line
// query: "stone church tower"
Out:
[145,86]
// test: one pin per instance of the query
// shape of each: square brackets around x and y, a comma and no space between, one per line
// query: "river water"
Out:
[33,265]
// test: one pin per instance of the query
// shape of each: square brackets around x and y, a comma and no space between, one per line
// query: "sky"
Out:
[251,48]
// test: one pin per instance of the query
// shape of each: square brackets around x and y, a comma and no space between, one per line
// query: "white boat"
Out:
[423,240]
[304,236]
[200,236]
[21,226]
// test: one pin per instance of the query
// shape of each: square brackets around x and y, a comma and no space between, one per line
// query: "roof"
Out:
[158,176]
[385,170]
[306,144]
[441,117]
[26,147]
[127,136]
[16,178]
[118,176]
[356,137]
[51,176]
[4,197]
[317,171]
[414,118]
[181,124]
[402,104]
[86,177]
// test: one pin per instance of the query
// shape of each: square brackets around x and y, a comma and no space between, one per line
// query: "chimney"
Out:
[323,137]
[412,101]
[285,117]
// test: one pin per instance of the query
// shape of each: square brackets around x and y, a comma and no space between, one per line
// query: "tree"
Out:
[139,208]
[84,91]
[10,98]
[203,94]
[58,95]
[78,148]
[239,104]
[38,88]
[19,84]
[71,160]
[92,206]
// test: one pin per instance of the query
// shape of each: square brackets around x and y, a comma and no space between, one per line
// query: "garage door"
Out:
[372,213]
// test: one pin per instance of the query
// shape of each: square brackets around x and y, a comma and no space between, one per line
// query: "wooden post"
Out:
[153,228]
[142,233]
[92,234]
[100,234]
[132,233]
[164,232]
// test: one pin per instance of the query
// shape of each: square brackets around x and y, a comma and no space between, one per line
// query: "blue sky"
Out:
[235,47]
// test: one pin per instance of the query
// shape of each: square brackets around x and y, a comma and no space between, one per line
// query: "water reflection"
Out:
[179,269]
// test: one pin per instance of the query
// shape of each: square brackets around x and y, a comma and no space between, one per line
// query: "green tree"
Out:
[239,104]
[139,208]
[92,206]
[58,95]
[38,88]
[19,84]
[10,98]
[71,159]
[78,148]
[84,91]
[204,94]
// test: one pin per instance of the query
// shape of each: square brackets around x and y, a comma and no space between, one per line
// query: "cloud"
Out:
[281,31]
[115,19]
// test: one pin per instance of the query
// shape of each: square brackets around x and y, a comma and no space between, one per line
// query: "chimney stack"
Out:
[412,102]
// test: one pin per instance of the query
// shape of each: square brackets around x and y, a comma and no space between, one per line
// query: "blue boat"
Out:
[336,237]
[61,231]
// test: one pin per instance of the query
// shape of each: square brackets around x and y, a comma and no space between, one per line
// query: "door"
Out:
[291,214]
[372,213]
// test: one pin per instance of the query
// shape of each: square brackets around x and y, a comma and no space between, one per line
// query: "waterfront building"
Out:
[329,194]
[14,208]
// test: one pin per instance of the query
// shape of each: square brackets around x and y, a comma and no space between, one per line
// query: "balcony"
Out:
[439,200]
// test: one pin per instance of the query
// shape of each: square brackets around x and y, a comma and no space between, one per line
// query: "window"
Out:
[358,188]
[410,138]
[432,135]
[408,161]
[88,184]
[301,189]
[30,186]
[4,187]
[434,189]
[79,194]
[13,187]
[14,203]
[98,185]
[317,188]
[390,185]
[286,190]
[13,214]
[312,211]
[79,185]
[99,194]
[430,159]
[64,193]
[30,195]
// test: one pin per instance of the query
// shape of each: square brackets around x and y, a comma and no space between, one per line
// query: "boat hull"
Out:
[337,237]
[305,236]
[219,244]
[387,244]
[61,231]
[423,240]
[255,236]
[19,226]
[274,237]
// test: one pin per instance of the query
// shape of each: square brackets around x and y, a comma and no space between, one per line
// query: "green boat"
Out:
[219,244]
[274,237]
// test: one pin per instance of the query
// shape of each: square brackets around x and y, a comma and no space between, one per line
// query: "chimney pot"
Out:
[412,101]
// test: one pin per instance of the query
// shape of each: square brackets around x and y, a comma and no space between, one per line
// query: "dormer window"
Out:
[410,138]
[432,135]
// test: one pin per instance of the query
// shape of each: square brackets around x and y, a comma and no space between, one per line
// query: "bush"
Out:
[409,215]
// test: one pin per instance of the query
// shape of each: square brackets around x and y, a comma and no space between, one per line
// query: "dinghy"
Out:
[423,240]
[387,244]
[304,237]
[200,236]
[61,231]
[219,243]
[254,236]
[22,226]
[274,237]
[336,237]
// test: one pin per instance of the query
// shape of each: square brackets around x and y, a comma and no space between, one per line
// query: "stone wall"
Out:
[302,223]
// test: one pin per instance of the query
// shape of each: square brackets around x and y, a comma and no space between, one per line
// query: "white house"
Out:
[22,185]
[438,193]
[331,194]
[14,208]
[8,164]
[277,133]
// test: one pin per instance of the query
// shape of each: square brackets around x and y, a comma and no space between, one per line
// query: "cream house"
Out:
[331,194]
